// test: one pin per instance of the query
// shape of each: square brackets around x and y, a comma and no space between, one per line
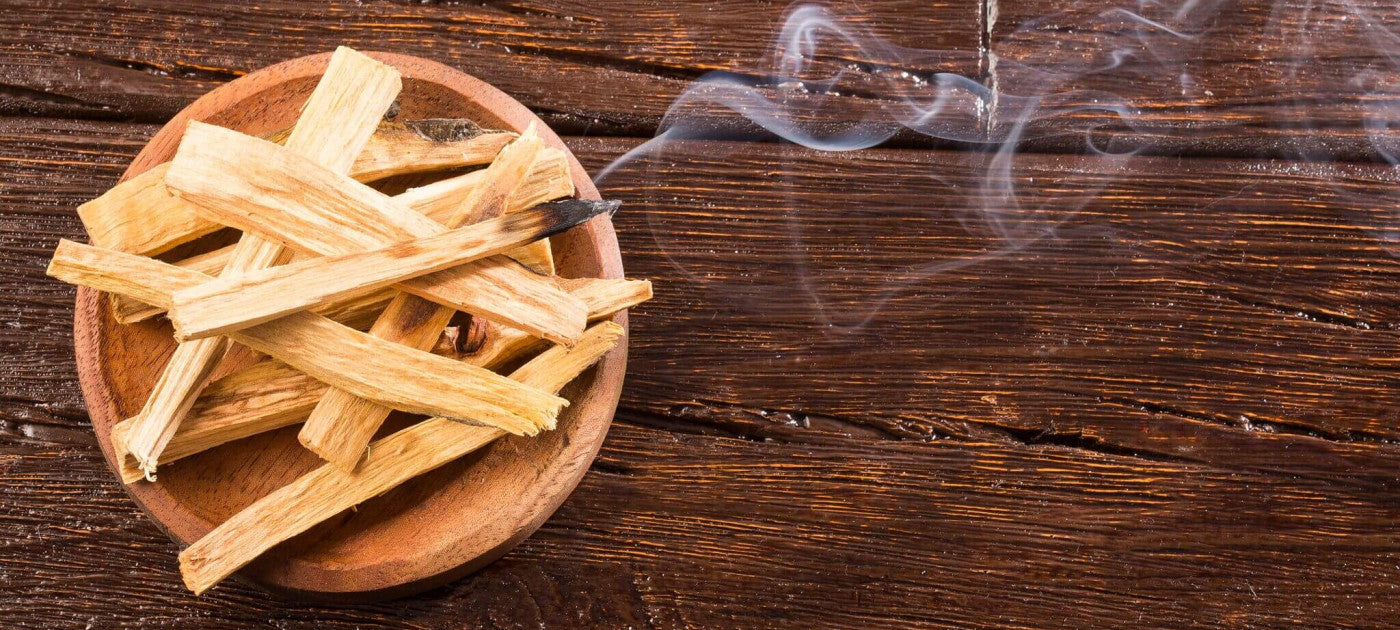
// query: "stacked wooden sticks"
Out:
[349,292]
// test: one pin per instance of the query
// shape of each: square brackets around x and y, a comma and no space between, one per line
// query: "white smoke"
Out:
[805,95]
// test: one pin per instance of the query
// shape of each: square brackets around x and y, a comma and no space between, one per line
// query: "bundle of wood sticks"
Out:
[350,293]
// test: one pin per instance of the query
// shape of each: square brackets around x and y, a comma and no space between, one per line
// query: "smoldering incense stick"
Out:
[341,426]
[141,216]
[439,200]
[270,394]
[335,124]
[329,490]
[154,281]
[229,304]
[548,179]
[331,214]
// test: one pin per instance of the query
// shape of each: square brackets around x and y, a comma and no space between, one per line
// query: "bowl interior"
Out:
[429,530]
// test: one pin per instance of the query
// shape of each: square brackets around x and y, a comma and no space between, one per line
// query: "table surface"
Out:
[923,385]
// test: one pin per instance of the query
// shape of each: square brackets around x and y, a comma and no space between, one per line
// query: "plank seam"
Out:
[1242,422]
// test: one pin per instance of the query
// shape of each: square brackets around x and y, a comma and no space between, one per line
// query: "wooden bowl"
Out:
[428,531]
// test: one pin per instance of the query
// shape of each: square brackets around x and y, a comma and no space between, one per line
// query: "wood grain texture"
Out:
[1223,78]
[1113,537]
[1271,78]
[333,124]
[634,59]
[1047,506]
[1183,422]
[1243,302]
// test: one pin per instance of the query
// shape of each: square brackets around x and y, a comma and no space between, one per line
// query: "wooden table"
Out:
[1171,403]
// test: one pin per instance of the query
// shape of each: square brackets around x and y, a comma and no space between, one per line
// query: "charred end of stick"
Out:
[570,212]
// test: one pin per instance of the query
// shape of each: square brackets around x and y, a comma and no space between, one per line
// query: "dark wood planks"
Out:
[1048,439]
[1283,78]
[1055,299]
[586,67]
[49,167]
[673,530]
[1257,77]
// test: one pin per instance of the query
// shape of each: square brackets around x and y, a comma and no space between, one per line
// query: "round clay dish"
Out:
[428,531]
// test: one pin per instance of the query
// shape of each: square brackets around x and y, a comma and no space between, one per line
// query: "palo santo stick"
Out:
[336,122]
[607,296]
[341,426]
[426,145]
[144,280]
[113,272]
[400,377]
[271,394]
[277,193]
[329,490]
[129,310]
[225,305]
[439,199]
[141,216]
[548,180]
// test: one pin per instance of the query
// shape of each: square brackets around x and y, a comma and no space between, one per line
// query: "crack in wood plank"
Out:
[21,101]
[1306,314]
[178,69]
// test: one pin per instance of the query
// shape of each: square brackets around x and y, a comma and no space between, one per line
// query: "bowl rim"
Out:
[479,544]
